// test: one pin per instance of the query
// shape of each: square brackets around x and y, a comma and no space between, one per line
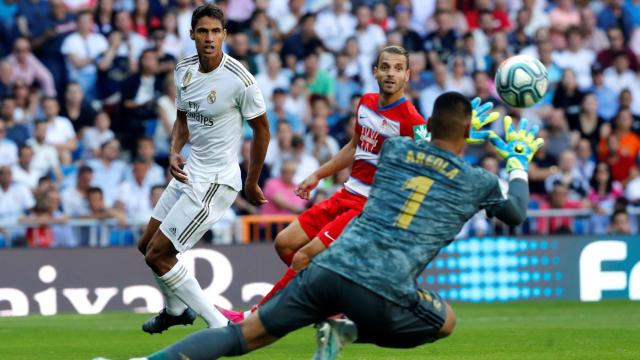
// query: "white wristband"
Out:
[519,174]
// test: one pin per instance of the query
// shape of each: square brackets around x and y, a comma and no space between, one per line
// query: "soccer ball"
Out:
[521,81]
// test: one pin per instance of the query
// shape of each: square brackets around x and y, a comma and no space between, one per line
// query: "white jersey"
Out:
[216,104]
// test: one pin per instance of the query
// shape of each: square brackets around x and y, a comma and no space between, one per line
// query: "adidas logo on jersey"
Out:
[173,230]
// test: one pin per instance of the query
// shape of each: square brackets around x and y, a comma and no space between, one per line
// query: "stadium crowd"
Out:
[87,99]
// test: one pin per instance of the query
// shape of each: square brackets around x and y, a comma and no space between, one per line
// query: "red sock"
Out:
[288,259]
[290,274]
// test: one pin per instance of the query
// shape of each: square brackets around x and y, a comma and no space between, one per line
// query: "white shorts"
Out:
[187,211]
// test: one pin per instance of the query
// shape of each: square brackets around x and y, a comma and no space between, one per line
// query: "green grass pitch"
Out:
[524,330]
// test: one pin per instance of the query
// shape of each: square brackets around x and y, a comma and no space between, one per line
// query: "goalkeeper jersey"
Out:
[421,197]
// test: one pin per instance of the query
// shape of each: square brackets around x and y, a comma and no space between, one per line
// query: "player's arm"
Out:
[179,137]
[259,145]
[517,151]
[343,158]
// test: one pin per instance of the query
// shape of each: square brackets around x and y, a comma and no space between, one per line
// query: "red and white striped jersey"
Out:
[375,124]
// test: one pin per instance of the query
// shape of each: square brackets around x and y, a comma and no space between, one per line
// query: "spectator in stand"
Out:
[288,20]
[614,15]
[273,77]
[47,223]
[81,50]
[27,104]
[459,21]
[603,193]
[8,148]
[28,69]
[145,151]
[139,95]
[239,49]
[576,57]
[346,86]
[45,157]
[297,100]
[569,175]
[568,96]
[280,193]
[171,44]
[78,111]
[48,30]
[411,40]
[132,44]
[261,33]
[559,199]
[166,117]
[23,172]
[632,190]
[625,101]
[103,17]
[99,211]
[607,99]
[620,224]
[559,139]
[460,80]
[113,69]
[586,163]
[134,193]
[619,76]
[16,199]
[632,7]
[142,19]
[94,136]
[564,15]
[60,131]
[319,143]
[301,42]
[518,38]
[6,79]
[441,43]
[319,82]
[75,201]
[18,133]
[429,94]
[335,25]
[371,38]
[306,163]
[279,147]
[474,16]
[588,125]
[610,150]
[108,170]
[618,45]
[279,113]
[594,38]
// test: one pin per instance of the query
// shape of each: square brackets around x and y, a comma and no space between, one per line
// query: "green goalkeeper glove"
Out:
[520,144]
[480,117]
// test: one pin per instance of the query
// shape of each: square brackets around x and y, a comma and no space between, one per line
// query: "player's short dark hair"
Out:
[207,10]
[94,190]
[393,49]
[84,169]
[450,117]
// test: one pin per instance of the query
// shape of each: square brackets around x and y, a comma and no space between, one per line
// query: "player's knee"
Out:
[300,260]
[283,247]
[449,324]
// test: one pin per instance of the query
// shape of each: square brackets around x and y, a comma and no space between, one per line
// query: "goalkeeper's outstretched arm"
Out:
[514,210]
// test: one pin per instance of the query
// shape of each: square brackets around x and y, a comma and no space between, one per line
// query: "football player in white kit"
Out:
[214,94]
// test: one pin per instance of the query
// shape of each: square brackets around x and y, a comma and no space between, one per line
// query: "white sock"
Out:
[173,305]
[186,288]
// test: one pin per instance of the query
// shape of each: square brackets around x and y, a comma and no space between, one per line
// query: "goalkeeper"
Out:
[422,195]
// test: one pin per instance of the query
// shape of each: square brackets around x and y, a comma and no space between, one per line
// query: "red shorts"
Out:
[327,219]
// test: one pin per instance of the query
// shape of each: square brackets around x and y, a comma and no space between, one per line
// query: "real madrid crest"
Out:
[186,79]
[211,98]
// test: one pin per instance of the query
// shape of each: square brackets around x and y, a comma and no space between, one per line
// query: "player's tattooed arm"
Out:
[260,127]
[342,159]
[179,137]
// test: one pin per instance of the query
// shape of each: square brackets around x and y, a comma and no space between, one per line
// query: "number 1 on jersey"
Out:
[419,186]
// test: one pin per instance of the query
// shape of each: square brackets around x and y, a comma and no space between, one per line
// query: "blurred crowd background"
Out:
[87,102]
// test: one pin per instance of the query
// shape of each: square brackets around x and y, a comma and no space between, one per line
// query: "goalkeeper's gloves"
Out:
[520,145]
[480,116]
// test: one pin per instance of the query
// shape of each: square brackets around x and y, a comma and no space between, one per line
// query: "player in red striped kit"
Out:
[379,117]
